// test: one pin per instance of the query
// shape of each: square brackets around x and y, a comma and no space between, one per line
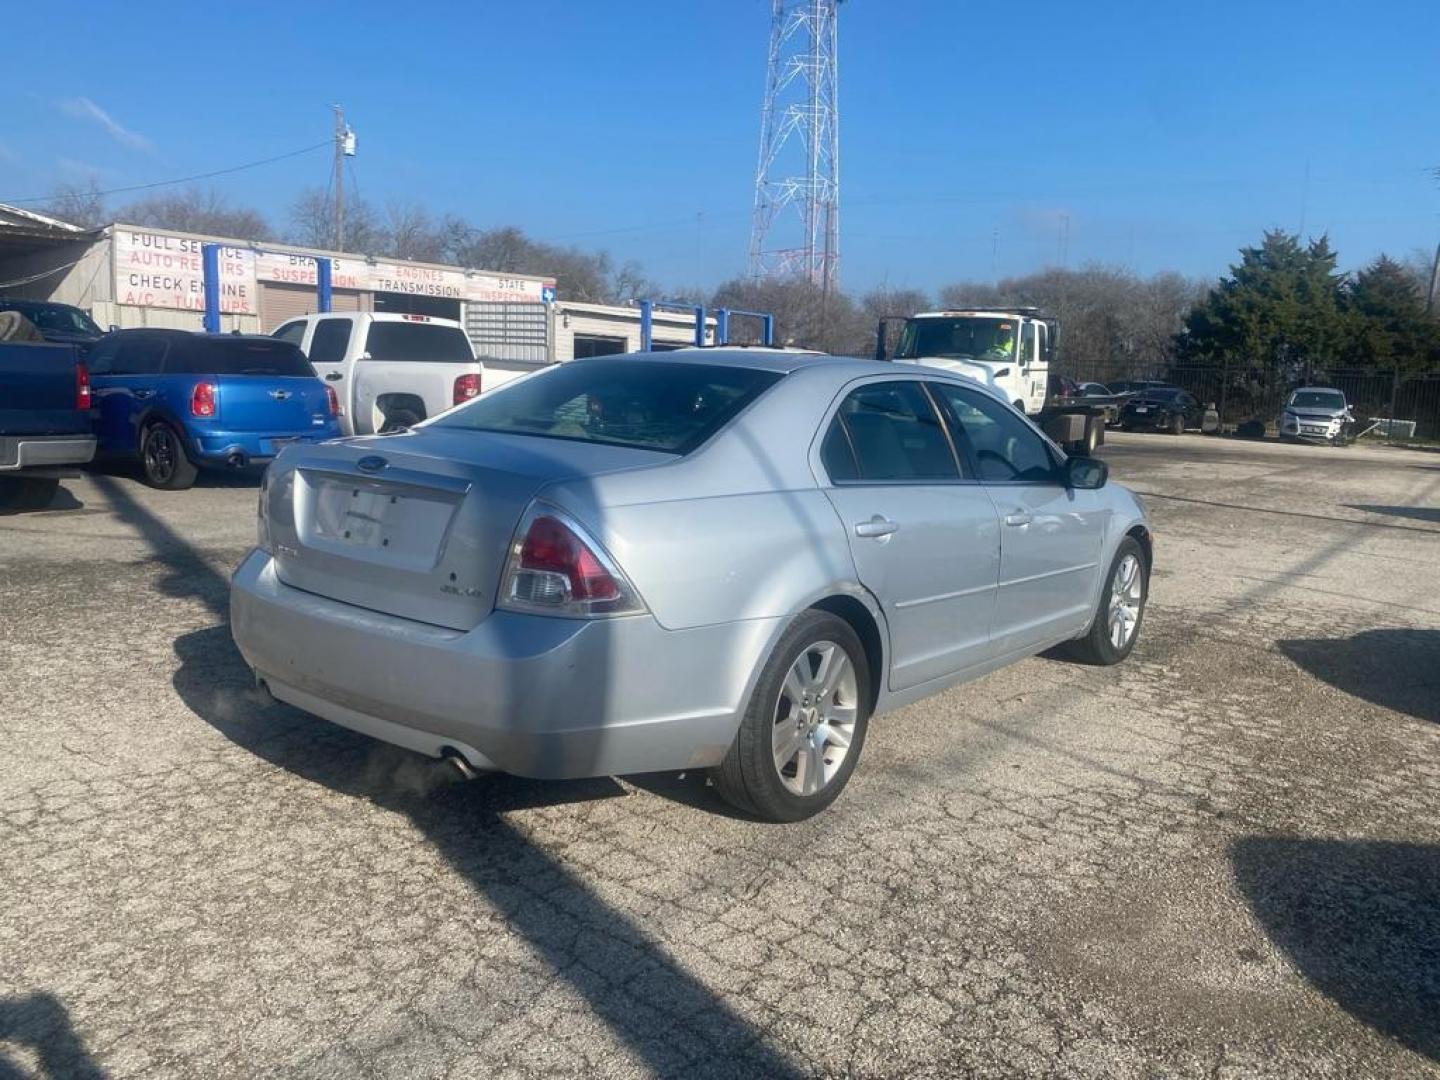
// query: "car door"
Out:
[924,537]
[329,342]
[1051,536]
[126,389]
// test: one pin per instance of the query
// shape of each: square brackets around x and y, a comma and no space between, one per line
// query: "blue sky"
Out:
[1168,138]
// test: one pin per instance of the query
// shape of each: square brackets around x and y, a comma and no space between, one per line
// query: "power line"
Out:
[182,179]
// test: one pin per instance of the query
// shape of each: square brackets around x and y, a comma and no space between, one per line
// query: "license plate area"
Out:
[394,525]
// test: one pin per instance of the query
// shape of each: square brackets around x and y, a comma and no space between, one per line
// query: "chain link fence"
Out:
[1255,394]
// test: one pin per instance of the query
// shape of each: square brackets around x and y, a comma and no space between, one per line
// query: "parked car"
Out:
[391,371]
[1101,395]
[727,560]
[1130,387]
[182,401]
[61,324]
[1162,408]
[44,421]
[1316,413]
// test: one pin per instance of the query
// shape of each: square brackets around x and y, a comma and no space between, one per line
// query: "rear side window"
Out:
[292,332]
[417,342]
[650,405]
[895,434]
[237,356]
[332,336]
[101,359]
[836,454]
[139,356]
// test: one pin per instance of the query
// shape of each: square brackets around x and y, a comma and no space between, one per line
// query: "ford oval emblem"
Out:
[372,463]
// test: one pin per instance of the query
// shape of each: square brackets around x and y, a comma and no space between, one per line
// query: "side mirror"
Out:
[1086,474]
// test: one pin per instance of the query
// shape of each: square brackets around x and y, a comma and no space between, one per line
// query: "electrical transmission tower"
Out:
[796,226]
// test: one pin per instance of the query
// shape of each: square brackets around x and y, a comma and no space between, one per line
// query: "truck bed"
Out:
[37,390]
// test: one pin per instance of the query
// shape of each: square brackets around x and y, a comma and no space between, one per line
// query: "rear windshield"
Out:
[56,317]
[647,404]
[237,356]
[406,342]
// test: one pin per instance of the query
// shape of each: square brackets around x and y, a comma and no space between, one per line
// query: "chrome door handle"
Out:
[144,393]
[876,527]
[1019,517]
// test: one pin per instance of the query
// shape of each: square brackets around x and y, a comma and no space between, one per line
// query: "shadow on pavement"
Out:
[40,1022]
[666,1017]
[1360,920]
[1415,513]
[1396,669]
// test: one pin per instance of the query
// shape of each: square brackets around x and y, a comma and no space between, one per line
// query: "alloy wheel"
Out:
[815,718]
[1125,597]
[160,451]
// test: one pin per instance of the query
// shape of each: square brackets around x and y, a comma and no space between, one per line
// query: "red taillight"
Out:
[556,569]
[82,387]
[333,400]
[202,399]
[551,548]
[466,387]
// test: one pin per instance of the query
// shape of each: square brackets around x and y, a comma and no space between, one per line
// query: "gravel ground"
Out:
[1221,858]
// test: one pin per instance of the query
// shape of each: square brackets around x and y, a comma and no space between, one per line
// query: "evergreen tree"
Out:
[1278,312]
[1389,328]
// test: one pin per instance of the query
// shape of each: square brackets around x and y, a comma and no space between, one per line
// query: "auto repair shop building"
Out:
[129,276]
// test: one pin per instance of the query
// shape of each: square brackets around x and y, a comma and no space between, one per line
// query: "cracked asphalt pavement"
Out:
[1219,859]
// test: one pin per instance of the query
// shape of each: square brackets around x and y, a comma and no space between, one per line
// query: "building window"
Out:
[591,345]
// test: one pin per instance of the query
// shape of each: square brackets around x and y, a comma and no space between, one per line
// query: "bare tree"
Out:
[410,233]
[312,224]
[78,206]
[1112,322]
[197,211]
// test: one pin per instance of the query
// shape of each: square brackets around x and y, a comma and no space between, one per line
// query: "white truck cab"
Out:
[388,370]
[1006,349]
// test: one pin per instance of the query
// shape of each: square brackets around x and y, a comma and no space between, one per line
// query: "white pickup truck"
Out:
[388,370]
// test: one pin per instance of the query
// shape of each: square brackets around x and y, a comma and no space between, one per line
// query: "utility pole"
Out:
[1434,281]
[344,147]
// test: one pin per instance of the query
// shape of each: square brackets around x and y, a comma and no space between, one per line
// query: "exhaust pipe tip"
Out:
[461,766]
[236,460]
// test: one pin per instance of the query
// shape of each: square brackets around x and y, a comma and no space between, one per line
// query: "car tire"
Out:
[1120,590]
[163,459]
[1176,425]
[787,762]
[27,493]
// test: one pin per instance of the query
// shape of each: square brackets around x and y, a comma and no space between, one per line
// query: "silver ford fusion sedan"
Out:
[718,559]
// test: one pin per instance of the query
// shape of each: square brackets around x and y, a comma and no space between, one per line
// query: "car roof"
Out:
[22,302]
[187,335]
[788,361]
[1319,389]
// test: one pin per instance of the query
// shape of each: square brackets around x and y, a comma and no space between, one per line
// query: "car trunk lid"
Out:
[418,525]
[271,403]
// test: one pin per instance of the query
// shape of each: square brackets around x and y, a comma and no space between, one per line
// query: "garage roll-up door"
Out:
[280,302]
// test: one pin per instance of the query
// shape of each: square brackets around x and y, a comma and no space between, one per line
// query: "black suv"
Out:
[59,324]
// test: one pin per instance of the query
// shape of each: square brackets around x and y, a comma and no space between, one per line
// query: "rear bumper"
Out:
[1145,420]
[44,451]
[535,696]
[251,447]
